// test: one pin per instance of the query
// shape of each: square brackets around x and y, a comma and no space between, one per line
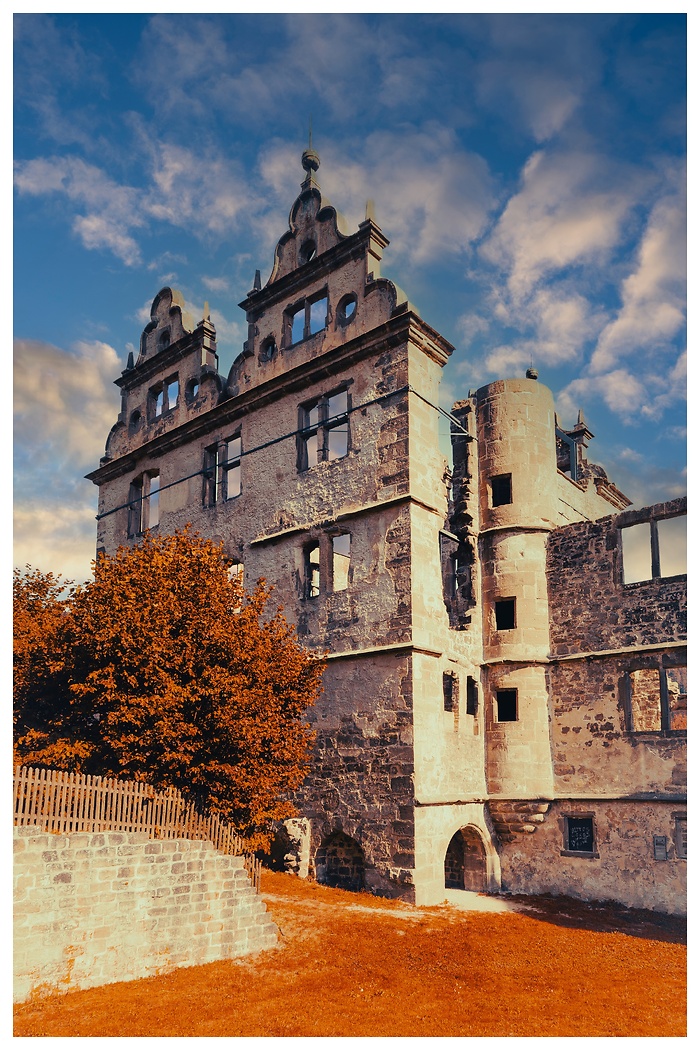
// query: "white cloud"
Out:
[568,211]
[64,402]
[653,295]
[55,537]
[216,284]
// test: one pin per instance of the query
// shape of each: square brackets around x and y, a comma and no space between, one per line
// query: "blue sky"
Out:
[529,171]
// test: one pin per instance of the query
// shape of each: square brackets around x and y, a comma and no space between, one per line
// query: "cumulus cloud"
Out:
[653,295]
[64,402]
[568,211]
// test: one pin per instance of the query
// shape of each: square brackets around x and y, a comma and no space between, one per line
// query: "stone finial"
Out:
[310,162]
[207,315]
[369,210]
[531,373]
[130,361]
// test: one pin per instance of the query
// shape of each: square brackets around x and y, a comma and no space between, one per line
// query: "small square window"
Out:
[505,614]
[507,705]
[501,490]
[579,835]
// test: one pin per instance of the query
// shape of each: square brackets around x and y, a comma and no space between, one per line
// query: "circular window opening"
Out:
[192,389]
[308,251]
[268,349]
[347,308]
[164,340]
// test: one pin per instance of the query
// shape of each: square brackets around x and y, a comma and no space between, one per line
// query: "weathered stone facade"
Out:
[457,698]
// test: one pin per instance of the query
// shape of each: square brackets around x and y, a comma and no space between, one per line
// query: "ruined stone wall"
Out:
[361,780]
[91,909]
[622,866]
[591,609]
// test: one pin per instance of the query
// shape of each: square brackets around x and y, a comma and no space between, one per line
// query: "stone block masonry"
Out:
[91,909]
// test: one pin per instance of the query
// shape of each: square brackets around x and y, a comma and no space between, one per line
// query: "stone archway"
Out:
[340,862]
[465,862]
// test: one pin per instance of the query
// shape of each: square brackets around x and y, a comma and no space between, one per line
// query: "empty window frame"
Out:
[163,396]
[231,467]
[236,572]
[501,490]
[651,549]
[341,561]
[324,429]
[579,835]
[656,699]
[312,571]
[222,470]
[506,705]
[144,503]
[505,614]
[306,319]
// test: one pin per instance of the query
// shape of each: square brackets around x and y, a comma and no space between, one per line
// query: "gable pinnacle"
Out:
[310,162]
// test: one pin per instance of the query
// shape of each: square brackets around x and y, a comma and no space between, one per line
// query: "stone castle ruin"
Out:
[504,702]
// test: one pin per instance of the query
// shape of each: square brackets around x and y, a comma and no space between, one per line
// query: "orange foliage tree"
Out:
[172,674]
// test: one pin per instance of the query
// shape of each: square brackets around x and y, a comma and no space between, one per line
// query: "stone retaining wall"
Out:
[91,909]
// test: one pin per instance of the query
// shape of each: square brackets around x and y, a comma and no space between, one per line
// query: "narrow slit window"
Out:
[232,467]
[338,425]
[472,696]
[505,614]
[313,571]
[157,395]
[448,691]
[310,427]
[151,504]
[341,561]
[507,705]
[211,475]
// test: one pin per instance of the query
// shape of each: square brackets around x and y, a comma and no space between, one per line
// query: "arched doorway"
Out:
[465,862]
[340,862]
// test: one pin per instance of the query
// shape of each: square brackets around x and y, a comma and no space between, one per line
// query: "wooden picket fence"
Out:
[60,801]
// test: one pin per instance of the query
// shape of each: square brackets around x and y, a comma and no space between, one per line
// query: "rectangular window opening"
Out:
[673,546]
[172,391]
[318,313]
[324,430]
[211,476]
[636,552]
[579,835]
[151,504]
[644,700]
[501,490]
[505,614]
[341,561]
[297,322]
[507,705]
[677,696]
[680,836]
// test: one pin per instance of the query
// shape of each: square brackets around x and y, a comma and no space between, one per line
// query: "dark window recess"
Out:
[456,560]
[505,614]
[231,467]
[268,349]
[144,503]
[347,308]
[324,430]
[507,705]
[192,390]
[501,490]
[450,691]
[472,696]
[660,847]
[210,492]
[579,834]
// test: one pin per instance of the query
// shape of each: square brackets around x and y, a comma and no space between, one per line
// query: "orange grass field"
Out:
[350,964]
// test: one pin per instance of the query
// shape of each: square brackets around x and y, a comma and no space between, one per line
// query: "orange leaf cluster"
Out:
[163,669]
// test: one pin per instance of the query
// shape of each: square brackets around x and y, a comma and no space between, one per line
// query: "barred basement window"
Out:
[579,835]
[507,705]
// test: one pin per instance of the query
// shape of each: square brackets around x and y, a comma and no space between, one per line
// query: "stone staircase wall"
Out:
[94,908]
